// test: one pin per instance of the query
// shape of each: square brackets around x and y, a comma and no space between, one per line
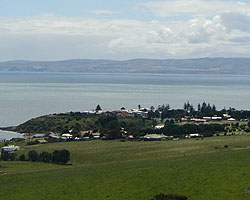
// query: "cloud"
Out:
[174,8]
[51,37]
[233,20]
[103,12]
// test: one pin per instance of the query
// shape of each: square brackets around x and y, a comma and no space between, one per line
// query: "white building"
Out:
[11,148]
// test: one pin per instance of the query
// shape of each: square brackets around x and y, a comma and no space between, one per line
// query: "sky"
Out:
[120,30]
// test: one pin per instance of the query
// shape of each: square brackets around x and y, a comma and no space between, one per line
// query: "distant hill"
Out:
[170,66]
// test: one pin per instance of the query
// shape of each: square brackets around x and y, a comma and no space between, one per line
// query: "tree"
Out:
[12,156]
[61,157]
[199,107]
[203,107]
[154,123]
[98,108]
[5,155]
[214,108]
[45,157]
[22,157]
[33,156]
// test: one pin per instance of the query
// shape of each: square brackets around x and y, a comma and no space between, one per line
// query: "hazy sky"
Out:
[113,29]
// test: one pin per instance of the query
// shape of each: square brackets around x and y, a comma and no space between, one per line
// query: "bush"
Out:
[33,156]
[61,157]
[22,157]
[5,155]
[12,156]
[169,197]
[45,157]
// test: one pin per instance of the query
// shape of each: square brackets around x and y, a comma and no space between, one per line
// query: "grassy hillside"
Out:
[77,121]
[199,169]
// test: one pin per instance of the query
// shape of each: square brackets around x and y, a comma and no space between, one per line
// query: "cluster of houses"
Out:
[95,135]
[206,119]
[143,112]
[84,135]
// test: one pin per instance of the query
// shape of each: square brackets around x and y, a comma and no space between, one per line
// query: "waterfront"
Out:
[28,95]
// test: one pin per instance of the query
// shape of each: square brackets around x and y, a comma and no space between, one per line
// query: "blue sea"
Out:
[28,95]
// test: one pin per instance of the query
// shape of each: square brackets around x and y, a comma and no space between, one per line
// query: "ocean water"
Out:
[28,95]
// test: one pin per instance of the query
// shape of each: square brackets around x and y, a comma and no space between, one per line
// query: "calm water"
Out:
[28,95]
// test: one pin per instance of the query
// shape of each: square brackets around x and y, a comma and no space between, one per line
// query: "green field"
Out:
[199,169]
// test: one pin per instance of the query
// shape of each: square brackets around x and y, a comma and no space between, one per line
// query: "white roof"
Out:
[159,127]
[155,136]
[66,135]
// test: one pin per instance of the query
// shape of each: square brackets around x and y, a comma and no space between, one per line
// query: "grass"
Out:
[135,170]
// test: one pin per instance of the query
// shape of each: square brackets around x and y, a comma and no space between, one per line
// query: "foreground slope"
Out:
[199,169]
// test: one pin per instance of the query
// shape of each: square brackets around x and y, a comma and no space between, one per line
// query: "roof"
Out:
[66,135]
[88,131]
[122,112]
[159,126]
[155,136]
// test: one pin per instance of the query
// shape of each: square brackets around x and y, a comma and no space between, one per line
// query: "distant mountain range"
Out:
[165,66]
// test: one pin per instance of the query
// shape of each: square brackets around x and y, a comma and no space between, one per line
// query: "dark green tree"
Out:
[33,156]
[98,108]
[45,157]
[5,155]
[61,157]
[22,157]
[12,156]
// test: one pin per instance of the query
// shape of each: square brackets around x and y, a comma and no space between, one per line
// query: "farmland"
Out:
[199,169]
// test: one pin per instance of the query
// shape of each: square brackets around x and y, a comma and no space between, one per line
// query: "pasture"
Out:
[198,169]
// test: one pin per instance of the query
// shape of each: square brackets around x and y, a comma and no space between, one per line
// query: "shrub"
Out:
[5,155]
[61,156]
[33,156]
[169,197]
[22,157]
[12,156]
[45,157]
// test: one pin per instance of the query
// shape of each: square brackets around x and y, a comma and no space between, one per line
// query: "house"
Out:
[198,120]
[42,141]
[67,136]
[194,135]
[11,148]
[143,114]
[159,127]
[216,118]
[130,137]
[54,138]
[154,137]
[28,135]
[86,133]
[121,113]
[96,135]
[226,116]
[38,135]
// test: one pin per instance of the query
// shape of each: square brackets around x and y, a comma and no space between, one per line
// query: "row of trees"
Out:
[203,109]
[111,128]
[58,156]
